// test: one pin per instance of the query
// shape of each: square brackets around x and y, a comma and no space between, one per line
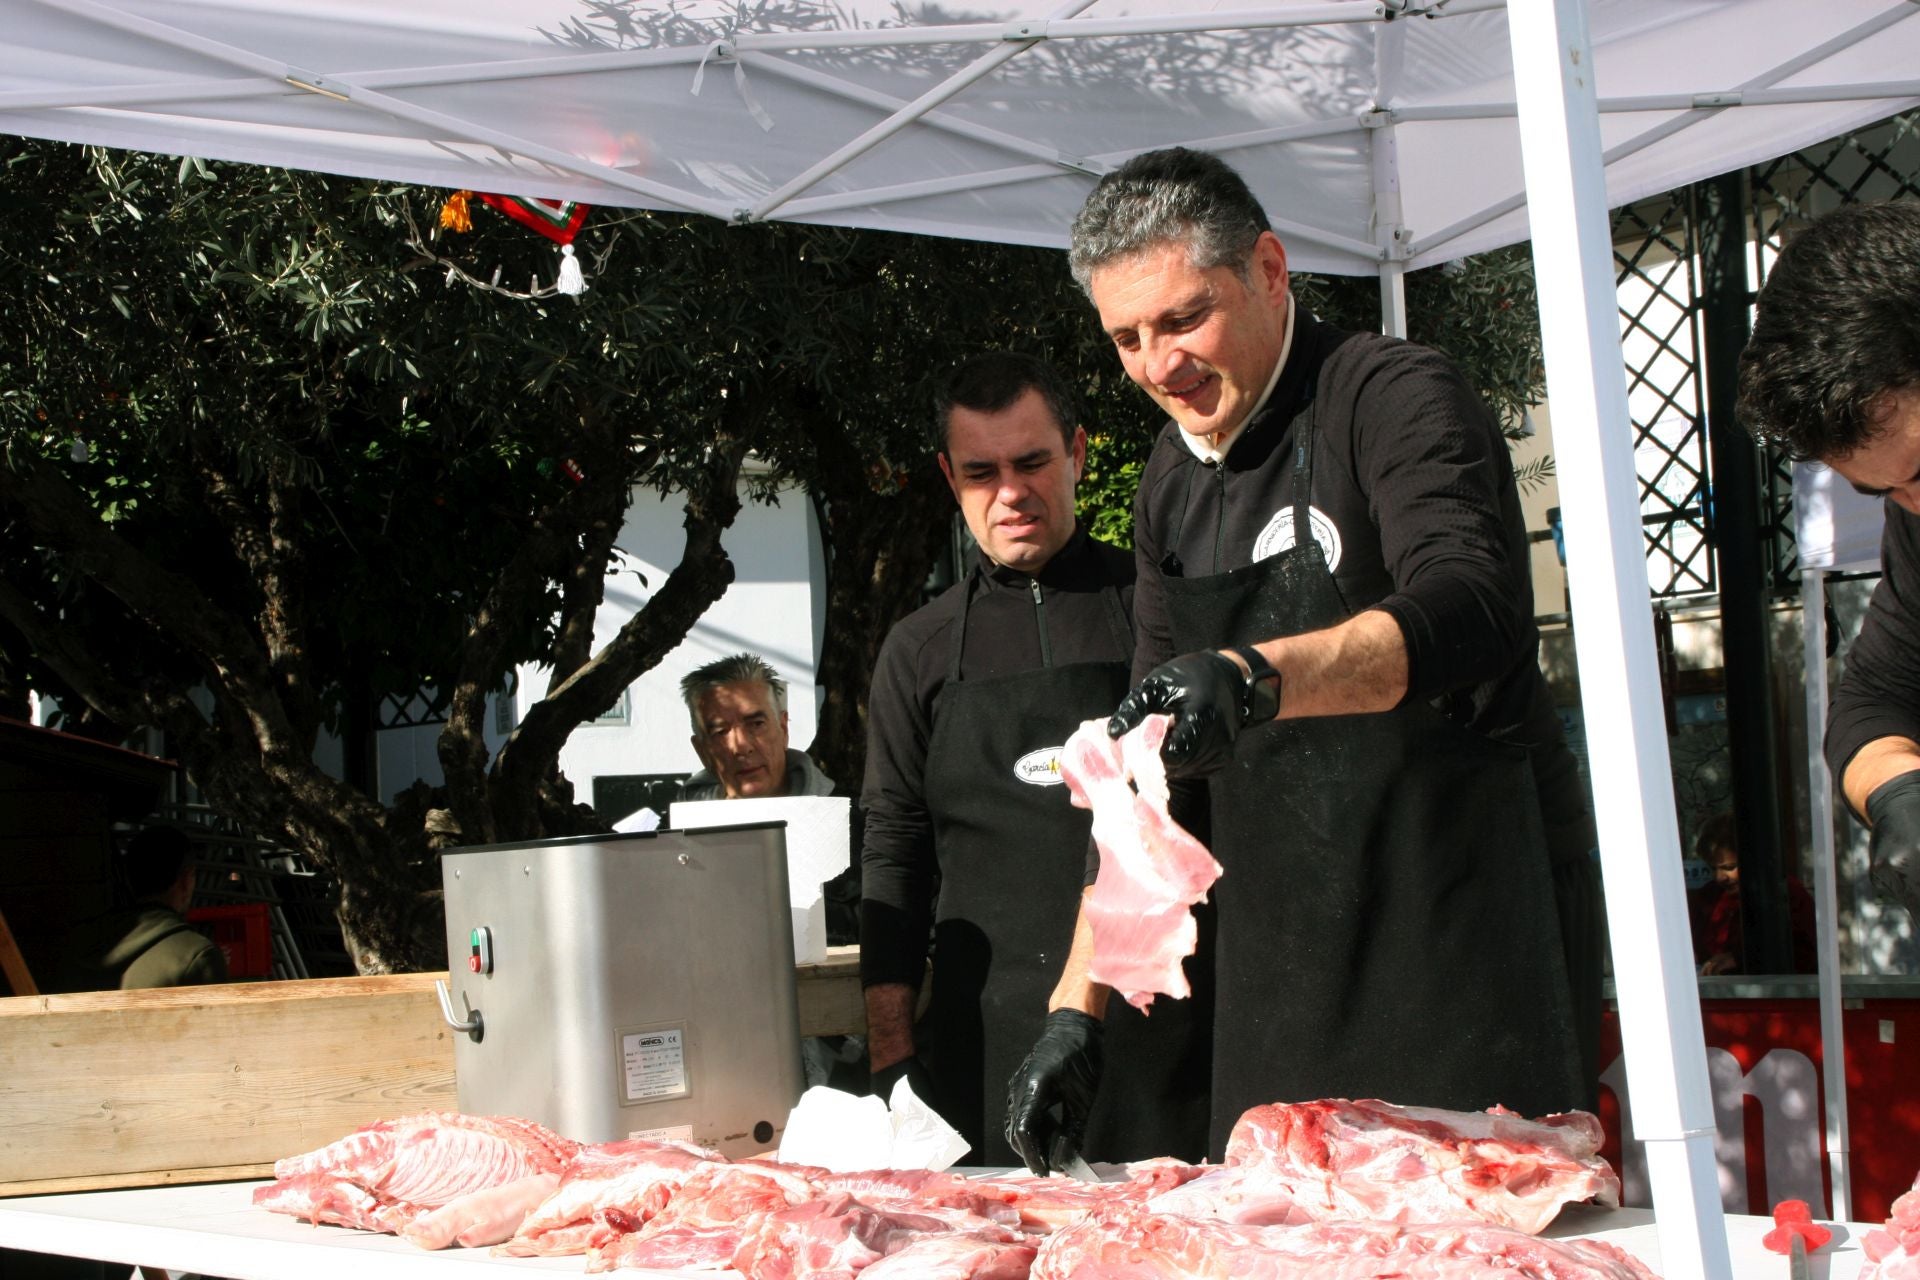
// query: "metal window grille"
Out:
[1656,278]
[1657,275]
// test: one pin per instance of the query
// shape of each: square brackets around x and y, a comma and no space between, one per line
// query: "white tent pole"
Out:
[1681,100]
[1389,58]
[1393,299]
[1826,903]
[1619,681]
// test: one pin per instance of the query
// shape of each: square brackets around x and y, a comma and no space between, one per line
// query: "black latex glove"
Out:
[881,1082]
[1206,694]
[1894,811]
[1051,1095]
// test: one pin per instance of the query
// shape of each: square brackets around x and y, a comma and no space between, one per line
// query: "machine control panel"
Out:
[480,950]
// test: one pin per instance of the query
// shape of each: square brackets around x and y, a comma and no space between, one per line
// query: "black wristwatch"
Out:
[1262,700]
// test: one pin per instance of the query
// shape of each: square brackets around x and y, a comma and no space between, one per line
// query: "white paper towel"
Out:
[847,1133]
[816,851]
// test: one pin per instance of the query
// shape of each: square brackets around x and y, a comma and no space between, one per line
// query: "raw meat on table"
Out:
[955,1257]
[1151,871]
[481,1217]
[1128,1242]
[835,1237]
[384,1175]
[1047,1203]
[630,1181]
[1893,1251]
[1371,1160]
[708,1217]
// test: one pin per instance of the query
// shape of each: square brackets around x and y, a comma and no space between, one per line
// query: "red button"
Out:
[473,963]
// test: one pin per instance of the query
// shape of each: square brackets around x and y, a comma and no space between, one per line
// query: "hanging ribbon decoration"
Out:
[557,220]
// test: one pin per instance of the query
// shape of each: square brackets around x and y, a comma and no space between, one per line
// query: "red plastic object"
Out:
[1794,1218]
[244,932]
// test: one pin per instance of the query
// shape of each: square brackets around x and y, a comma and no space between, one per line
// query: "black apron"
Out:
[1387,924]
[1012,859]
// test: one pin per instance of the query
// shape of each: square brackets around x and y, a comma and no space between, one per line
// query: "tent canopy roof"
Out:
[1373,130]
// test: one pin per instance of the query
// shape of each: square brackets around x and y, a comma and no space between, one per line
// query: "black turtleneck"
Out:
[1003,637]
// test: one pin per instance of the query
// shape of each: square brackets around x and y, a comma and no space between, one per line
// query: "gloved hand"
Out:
[880,1083]
[1207,697]
[1894,811]
[1051,1095]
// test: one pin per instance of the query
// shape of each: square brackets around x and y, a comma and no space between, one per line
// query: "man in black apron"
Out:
[1336,511]
[970,833]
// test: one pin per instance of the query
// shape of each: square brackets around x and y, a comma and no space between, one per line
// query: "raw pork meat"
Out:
[708,1218]
[924,1191]
[834,1237]
[324,1198]
[384,1175]
[1125,1242]
[481,1217]
[1151,871]
[1371,1160]
[1047,1203]
[954,1257]
[630,1181]
[1894,1250]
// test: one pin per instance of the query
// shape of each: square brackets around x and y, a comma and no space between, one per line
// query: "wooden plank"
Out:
[191,1077]
[181,1084]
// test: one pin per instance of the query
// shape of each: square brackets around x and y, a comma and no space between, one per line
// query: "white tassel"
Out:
[571,281]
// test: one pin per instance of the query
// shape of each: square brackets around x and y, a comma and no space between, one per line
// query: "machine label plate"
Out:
[654,1063]
[666,1133]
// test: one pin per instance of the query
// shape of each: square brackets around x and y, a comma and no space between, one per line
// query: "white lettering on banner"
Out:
[1787,1086]
[1278,536]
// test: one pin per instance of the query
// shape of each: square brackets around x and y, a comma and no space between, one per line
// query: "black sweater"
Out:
[1413,494]
[1879,693]
[1003,638]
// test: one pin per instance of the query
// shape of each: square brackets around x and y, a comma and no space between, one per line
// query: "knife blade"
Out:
[1798,1267]
[1075,1166]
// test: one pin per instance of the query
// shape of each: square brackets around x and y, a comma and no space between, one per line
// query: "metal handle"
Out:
[473,1026]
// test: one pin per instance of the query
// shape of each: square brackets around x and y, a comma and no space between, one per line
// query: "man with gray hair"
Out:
[1333,603]
[739,709]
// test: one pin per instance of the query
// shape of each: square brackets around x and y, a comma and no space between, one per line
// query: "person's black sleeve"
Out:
[1425,447]
[1152,626]
[896,854]
[1879,692]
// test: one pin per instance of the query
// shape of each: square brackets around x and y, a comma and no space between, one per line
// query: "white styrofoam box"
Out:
[816,851]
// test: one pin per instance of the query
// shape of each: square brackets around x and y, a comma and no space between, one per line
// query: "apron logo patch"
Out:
[1040,768]
[1278,536]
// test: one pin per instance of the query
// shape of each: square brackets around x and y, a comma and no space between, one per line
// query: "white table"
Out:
[215,1229]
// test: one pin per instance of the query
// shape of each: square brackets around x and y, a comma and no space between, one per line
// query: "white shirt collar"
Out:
[1213,448]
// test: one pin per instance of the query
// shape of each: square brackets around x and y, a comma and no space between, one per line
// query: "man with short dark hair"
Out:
[147,943]
[1832,374]
[969,831]
[1334,605]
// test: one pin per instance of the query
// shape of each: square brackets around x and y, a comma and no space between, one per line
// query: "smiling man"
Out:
[1832,373]
[969,832]
[1334,604]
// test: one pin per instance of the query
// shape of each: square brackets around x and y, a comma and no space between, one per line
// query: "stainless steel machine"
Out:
[627,985]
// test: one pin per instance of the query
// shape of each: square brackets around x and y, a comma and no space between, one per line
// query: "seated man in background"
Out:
[148,942]
[739,710]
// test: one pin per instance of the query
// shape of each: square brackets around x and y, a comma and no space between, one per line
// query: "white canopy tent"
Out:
[1381,134]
